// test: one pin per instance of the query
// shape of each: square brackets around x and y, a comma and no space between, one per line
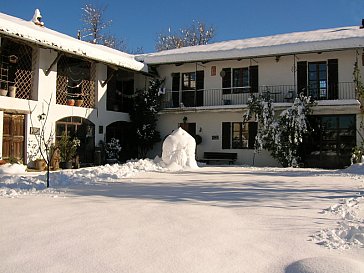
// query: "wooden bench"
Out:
[219,157]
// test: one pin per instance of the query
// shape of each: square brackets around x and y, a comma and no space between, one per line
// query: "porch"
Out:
[241,95]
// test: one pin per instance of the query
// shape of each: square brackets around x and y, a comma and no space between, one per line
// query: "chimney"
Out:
[37,18]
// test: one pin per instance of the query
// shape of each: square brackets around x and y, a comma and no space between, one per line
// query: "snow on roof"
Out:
[28,31]
[317,40]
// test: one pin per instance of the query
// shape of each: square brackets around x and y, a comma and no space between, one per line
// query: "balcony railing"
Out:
[240,95]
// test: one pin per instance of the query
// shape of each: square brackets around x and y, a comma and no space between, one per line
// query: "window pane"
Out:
[240,135]
[246,78]
[312,67]
[189,81]
[237,77]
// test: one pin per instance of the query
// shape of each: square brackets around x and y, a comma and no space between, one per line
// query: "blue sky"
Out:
[138,22]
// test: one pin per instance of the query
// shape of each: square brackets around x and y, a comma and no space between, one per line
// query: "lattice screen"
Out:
[76,80]
[23,83]
[17,57]
[62,82]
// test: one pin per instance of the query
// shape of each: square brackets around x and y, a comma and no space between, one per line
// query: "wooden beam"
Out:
[108,78]
[53,63]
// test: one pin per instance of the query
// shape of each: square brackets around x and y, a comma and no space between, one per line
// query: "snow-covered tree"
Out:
[282,135]
[144,117]
[196,34]
[95,27]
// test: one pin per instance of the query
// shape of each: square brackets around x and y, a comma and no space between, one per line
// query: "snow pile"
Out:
[12,169]
[325,265]
[178,150]
[16,185]
[179,153]
[355,169]
[350,230]
[106,173]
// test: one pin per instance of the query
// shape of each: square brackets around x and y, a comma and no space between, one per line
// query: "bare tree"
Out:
[95,27]
[44,145]
[197,34]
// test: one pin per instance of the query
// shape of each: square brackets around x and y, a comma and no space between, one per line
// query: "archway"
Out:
[122,131]
[84,130]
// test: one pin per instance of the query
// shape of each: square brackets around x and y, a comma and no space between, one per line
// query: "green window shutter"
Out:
[302,78]
[226,135]
[175,88]
[333,79]
[253,79]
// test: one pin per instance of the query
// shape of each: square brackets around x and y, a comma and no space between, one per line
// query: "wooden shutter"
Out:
[333,79]
[226,135]
[253,130]
[253,79]
[302,78]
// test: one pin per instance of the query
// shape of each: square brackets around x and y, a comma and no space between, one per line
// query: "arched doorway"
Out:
[84,130]
[122,131]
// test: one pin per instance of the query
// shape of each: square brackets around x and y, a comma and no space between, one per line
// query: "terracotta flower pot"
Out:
[12,91]
[3,92]
[78,102]
[70,102]
[39,164]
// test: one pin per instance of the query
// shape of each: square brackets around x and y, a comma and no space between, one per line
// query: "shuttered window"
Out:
[239,135]
[240,80]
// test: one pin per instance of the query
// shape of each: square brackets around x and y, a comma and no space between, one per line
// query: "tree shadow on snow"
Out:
[194,188]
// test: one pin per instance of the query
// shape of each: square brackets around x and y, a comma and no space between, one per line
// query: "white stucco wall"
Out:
[44,92]
[270,72]
[209,124]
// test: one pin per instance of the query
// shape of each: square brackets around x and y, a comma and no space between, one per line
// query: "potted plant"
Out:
[70,102]
[112,150]
[67,148]
[39,164]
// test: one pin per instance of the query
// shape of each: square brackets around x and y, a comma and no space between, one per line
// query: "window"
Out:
[239,135]
[331,142]
[240,80]
[320,80]
[317,79]
[192,84]
[120,89]
[189,81]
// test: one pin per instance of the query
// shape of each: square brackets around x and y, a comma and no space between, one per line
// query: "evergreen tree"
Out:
[283,135]
[144,117]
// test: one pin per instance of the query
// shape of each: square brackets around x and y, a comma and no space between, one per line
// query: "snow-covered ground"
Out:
[142,217]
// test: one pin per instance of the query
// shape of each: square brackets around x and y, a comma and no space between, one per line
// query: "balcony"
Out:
[75,82]
[239,95]
[16,69]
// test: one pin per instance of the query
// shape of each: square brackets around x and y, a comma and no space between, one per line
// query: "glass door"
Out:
[317,80]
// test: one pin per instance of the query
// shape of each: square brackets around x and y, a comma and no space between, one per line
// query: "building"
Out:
[207,88]
[87,86]
[89,90]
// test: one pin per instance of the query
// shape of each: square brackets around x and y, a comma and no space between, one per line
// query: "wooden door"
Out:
[13,136]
